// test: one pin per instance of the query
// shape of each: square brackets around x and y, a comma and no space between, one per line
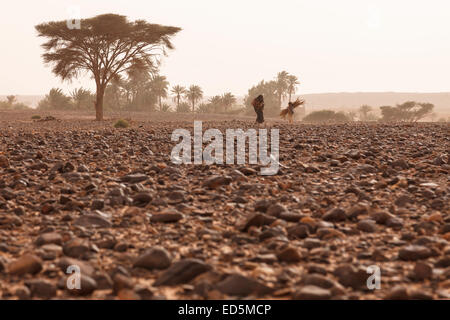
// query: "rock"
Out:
[217,181]
[121,282]
[41,288]
[181,272]
[357,210]
[319,281]
[351,276]
[414,252]
[257,220]
[397,293]
[312,293]
[4,162]
[289,254]
[262,205]
[142,199]
[97,204]
[85,268]
[26,264]
[443,262]
[168,216]
[154,258]
[92,220]
[134,178]
[422,271]
[403,200]
[87,285]
[275,210]
[298,232]
[49,238]
[401,164]
[367,225]
[242,286]
[23,293]
[336,215]
[76,248]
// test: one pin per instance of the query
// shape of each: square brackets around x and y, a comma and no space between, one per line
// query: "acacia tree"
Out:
[106,46]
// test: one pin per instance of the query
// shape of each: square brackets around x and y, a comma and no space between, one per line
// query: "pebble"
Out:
[28,263]
[312,292]
[242,286]
[182,271]
[154,258]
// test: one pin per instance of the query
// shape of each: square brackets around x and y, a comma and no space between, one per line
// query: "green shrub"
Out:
[326,116]
[121,123]
[36,117]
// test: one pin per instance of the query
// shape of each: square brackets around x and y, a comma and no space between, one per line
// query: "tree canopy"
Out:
[106,46]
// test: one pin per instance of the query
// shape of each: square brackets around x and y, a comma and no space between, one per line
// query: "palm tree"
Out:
[193,94]
[228,100]
[178,91]
[216,102]
[292,82]
[82,98]
[282,86]
[159,86]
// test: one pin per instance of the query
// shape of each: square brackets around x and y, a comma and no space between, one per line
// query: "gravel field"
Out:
[75,192]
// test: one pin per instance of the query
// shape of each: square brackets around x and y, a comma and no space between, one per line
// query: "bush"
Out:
[121,123]
[183,107]
[326,116]
[36,117]
[410,111]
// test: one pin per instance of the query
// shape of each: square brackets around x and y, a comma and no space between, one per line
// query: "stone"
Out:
[28,263]
[367,225]
[217,181]
[414,252]
[336,214]
[351,276]
[76,248]
[87,286]
[311,292]
[257,220]
[168,216]
[422,271]
[242,286]
[182,271]
[289,254]
[92,221]
[49,238]
[41,288]
[134,178]
[154,258]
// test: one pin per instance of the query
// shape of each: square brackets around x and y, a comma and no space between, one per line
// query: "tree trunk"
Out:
[99,103]
[160,104]
[193,106]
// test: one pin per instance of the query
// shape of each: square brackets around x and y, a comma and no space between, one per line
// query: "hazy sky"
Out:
[332,46]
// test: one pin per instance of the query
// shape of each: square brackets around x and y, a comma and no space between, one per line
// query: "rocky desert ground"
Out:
[75,192]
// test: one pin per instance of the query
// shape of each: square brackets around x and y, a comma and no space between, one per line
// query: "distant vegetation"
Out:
[410,111]
[326,116]
[11,104]
[284,85]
